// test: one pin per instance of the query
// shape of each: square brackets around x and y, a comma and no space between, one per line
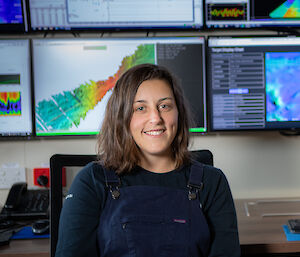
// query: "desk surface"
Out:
[26,248]
[260,225]
[258,232]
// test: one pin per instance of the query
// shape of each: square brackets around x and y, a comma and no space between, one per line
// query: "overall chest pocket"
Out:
[155,236]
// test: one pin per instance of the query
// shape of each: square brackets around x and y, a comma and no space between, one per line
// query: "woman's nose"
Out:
[155,116]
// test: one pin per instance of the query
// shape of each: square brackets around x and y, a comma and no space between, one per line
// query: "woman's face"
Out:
[155,118]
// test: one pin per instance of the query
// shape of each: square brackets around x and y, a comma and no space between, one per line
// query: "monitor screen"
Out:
[252,13]
[117,14]
[74,78]
[253,83]
[12,16]
[15,88]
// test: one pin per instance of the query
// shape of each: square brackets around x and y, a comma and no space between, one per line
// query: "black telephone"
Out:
[22,203]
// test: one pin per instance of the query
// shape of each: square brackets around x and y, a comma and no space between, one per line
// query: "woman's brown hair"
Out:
[116,147]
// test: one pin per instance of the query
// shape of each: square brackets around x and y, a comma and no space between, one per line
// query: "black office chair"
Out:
[58,161]
[204,156]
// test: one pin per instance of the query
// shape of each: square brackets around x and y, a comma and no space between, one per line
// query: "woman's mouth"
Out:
[155,132]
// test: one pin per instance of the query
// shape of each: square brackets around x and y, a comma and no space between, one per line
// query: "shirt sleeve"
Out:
[77,235]
[218,207]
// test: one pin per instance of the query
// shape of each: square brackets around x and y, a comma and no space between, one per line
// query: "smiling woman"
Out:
[145,196]
[153,125]
[147,98]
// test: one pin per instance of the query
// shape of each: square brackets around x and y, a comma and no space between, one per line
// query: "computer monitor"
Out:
[253,83]
[252,13]
[74,78]
[115,15]
[13,16]
[15,88]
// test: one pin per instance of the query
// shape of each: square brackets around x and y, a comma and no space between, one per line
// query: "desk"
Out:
[26,248]
[258,234]
[264,234]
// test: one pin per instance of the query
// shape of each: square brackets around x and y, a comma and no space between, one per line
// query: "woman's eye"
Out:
[140,108]
[164,106]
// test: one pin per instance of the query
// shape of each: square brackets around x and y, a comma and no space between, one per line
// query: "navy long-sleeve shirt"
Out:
[86,198]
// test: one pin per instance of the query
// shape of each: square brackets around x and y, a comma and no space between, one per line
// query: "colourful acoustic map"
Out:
[69,108]
[10,104]
[289,9]
[282,86]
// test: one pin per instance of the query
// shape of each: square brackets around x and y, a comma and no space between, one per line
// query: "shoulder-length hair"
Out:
[117,149]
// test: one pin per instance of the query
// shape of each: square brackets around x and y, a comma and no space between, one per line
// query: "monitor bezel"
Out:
[294,130]
[285,27]
[30,135]
[17,28]
[139,28]
[193,130]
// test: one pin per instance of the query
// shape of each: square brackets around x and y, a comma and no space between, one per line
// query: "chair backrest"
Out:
[59,161]
[204,156]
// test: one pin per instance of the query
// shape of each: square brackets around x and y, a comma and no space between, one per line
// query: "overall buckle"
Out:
[193,190]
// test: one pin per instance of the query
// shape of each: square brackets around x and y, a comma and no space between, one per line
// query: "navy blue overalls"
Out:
[142,221]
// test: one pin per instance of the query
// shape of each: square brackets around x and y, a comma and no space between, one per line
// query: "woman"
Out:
[146,196]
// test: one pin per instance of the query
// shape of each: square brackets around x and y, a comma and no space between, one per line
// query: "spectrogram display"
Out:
[10,104]
[289,9]
[10,12]
[227,12]
[282,86]
[63,112]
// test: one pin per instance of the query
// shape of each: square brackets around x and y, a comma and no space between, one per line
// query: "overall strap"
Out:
[112,181]
[195,183]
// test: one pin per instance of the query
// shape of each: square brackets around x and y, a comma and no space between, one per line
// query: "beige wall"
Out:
[257,164]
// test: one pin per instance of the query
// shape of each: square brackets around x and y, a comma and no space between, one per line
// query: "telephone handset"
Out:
[15,195]
[23,203]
